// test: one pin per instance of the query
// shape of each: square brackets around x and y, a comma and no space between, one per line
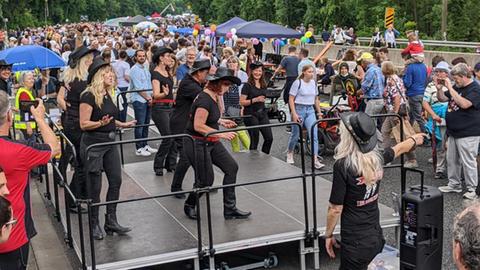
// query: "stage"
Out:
[162,233]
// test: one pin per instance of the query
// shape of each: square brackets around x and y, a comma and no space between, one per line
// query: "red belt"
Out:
[168,101]
[207,139]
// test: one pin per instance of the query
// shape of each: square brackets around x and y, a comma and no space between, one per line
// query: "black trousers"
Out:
[208,154]
[78,184]
[181,167]
[166,156]
[100,159]
[286,89]
[255,120]
[359,248]
[16,259]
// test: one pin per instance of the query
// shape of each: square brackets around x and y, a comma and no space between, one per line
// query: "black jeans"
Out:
[78,185]
[286,88]
[259,119]
[359,248]
[100,159]
[182,165]
[16,259]
[166,156]
[208,154]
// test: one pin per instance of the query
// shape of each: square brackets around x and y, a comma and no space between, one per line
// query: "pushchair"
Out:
[273,93]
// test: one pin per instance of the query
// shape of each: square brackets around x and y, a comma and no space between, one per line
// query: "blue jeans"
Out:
[307,114]
[123,100]
[142,115]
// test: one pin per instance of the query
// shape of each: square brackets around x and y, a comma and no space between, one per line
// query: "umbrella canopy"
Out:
[263,29]
[185,31]
[224,28]
[114,22]
[30,57]
[133,20]
[146,25]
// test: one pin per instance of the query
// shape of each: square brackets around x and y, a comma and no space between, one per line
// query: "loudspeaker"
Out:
[421,228]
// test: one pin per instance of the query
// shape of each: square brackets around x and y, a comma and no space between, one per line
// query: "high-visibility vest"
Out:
[18,123]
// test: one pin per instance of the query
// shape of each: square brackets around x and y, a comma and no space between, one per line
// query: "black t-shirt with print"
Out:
[206,102]
[108,108]
[251,92]
[156,76]
[463,123]
[360,203]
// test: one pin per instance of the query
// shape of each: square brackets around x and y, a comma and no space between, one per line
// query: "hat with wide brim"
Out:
[362,128]
[160,52]
[97,64]
[224,73]
[4,63]
[201,64]
[77,54]
[255,65]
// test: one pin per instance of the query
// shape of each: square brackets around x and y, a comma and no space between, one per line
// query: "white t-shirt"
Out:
[389,37]
[304,93]
[121,69]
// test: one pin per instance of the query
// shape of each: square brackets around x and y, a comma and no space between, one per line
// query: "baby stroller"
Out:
[273,93]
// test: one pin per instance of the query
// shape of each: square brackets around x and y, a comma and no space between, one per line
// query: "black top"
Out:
[163,81]
[108,107]
[188,89]
[463,123]
[72,97]
[360,203]
[251,92]
[4,86]
[205,101]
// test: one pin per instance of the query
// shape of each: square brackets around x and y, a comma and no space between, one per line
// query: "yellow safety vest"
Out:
[18,123]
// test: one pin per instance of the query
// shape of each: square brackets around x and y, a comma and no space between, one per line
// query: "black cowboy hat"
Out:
[224,73]
[78,53]
[201,64]
[97,64]
[362,128]
[160,52]
[256,64]
[4,63]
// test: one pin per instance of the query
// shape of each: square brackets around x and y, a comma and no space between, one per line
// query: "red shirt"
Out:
[413,48]
[17,158]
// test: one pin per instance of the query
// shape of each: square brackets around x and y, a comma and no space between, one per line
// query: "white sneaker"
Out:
[471,195]
[448,189]
[150,149]
[318,164]
[290,158]
[142,152]
[411,164]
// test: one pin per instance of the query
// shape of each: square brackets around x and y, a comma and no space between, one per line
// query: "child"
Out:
[414,49]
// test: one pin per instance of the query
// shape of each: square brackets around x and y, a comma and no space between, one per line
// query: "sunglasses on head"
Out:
[12,222]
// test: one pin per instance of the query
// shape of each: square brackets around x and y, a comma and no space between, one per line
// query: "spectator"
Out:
[476,72]
[436,112]
[415,80]
[459,60]
[345,82]
[46,85]
[326,77]
[377,39]
[339,37]
[290,64]
[353,37]
[66,52]
[382,55]
[7,221]
[463,120]
[5,73]
[390,36]
[372,85]
[182,50]
[414,49]
[141,81]
[325,35]
[304,60]
[17,159]
[466,238]
[3,184]
[183,69]
[122,72]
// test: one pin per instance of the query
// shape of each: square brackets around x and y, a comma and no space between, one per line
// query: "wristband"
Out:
[328,236]
[414,143]
[251,101]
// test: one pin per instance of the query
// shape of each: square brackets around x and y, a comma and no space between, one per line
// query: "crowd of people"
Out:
[184,86]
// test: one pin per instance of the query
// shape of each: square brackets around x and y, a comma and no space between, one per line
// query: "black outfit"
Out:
[16,259]
[209,153]
[463,123]
[161,110]
[362,236]
[104,158]
[188,89]
[259,117]
[4,86]
[71,125]
[329,72]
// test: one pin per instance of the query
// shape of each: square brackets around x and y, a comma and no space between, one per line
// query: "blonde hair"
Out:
[368,165]
[305,68]
[23,77]
[96,87]
[388,68]
[80,72]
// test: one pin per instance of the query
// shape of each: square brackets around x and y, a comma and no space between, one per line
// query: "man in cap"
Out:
[189,88]
[5,72]
[372,85]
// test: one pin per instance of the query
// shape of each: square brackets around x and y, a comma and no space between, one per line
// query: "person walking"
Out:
[98,120]
[372,85]
[290,64]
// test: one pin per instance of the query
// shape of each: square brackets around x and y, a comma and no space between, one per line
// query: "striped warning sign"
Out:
[389,16]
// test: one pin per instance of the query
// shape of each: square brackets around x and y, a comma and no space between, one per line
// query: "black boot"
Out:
[96,230]
[235,213]
[178,196]
[111,225]
[190,211]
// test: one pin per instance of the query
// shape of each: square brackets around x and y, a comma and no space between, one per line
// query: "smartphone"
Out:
[441,81]
[25,105]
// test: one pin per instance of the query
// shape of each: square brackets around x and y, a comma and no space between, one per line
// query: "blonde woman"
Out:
[74,82]
[98,120]
[354,196]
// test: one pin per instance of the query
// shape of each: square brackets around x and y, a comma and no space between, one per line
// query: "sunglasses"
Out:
[12,222]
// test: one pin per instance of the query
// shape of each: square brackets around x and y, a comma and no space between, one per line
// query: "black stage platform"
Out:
[162,233]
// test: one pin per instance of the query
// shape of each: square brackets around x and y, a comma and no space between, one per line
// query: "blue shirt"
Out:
[182,70]
[373,84]
[140,79]
[415,79]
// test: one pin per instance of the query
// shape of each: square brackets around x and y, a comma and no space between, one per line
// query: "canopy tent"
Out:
[115,22]
[133,20]
[224,28]
[156,15]
[263,29]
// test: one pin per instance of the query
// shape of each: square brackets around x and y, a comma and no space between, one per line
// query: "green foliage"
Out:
[410,25]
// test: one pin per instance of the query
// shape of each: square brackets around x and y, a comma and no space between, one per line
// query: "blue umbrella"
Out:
[30,57]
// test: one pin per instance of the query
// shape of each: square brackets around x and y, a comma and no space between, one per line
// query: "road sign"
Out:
[389,15]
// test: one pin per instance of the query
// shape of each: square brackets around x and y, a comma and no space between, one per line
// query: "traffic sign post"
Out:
[389,16]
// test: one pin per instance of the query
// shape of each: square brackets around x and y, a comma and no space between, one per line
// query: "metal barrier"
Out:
[120,136]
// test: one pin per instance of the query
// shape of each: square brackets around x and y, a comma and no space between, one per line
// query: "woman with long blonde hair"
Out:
[74,82]
[354,196]
[98,120]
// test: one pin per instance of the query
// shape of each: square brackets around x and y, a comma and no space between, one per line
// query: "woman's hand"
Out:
[228,135]
[259,99]
[330,243]
[106,119]
[295,118]
[129,124]
[165,89]
[437,118]
[227,123]
[419,137]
